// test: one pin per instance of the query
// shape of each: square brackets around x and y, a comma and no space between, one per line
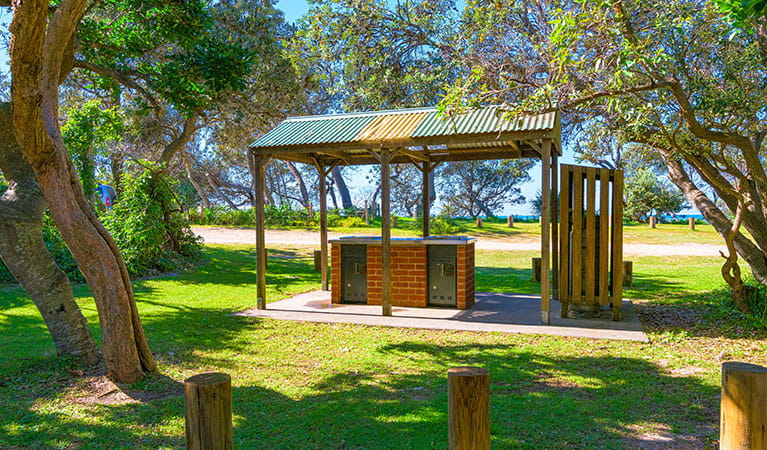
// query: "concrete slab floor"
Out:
[506,313]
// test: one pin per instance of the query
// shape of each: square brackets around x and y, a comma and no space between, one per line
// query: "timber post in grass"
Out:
[537,270]
[628,273]
[510,221]
[258,163]
[652,221]
[691,223]
[208,411]
[743,406]
[468,397]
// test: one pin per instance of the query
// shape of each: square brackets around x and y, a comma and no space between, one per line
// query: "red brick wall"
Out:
[465,275]
[409,275]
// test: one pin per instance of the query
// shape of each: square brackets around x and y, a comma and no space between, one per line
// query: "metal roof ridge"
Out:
[391,112]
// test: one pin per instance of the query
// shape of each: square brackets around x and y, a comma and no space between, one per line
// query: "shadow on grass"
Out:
[537,401]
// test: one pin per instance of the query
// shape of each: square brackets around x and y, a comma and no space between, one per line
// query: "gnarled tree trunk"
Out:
[39,47]
[24,252]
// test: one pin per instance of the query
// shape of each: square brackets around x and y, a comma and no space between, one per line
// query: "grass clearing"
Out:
[312,385]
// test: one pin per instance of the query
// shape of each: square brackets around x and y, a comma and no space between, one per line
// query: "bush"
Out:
[149,226]
[444,225]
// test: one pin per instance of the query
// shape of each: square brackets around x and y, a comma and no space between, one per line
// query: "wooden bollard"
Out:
[537,270]
[318,261]
[743,406]
[510,221]
[691,222]
[394,222]
[628,273]
[652,221]
[468,404]
[479,222]
[208,411]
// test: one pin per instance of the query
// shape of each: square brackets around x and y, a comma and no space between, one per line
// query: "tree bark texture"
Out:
[748,250]
[24,252]
[37,50]
[343,191]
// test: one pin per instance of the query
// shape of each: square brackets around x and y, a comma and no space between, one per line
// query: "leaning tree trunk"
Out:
[38,47]
[343,191]
[24,252]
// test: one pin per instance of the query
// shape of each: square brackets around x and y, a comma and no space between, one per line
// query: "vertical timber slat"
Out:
[425,194]
[576,270]
[604,236]
[555,226]
[617,247]
[564,232]
[590,274]
[545,229]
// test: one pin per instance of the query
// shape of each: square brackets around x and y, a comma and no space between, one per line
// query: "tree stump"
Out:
[468,393]
[628,273]
[479,222]
[208,411]
[510,221]
[537,270]
[743,406]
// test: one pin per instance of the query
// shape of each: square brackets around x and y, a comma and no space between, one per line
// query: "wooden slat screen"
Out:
[591,245]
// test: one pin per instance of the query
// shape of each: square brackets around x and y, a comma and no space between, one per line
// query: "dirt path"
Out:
[221,235]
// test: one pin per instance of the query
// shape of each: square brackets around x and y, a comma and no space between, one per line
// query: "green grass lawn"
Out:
[309,385]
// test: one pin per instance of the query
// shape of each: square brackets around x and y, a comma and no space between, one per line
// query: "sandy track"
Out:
[222,235]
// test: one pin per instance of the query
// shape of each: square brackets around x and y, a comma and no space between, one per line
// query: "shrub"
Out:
[149,226]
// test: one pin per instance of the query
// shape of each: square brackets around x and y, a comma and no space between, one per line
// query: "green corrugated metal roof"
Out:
[349,128]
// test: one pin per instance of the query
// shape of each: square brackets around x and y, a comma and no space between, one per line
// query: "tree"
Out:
[668,75]
[645,195]
[24,252]
[473,188]
[41,55]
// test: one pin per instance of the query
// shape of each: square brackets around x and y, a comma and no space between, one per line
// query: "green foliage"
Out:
[285,216]
[744,13]
[89,131]
[149,226]
[756,298]
[645,195]
[444,225]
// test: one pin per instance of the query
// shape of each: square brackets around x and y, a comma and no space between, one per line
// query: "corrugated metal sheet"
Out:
[320,131]
[485,120]
[396,124]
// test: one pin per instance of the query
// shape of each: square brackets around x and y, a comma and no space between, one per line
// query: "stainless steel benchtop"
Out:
[431,240]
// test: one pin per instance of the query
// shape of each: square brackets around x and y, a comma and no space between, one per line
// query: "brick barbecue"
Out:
[435,271]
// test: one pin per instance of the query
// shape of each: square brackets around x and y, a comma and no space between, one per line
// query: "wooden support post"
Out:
[318,260]
[691,222]
[258,163]
[479,222]
[208,411]
[425,199]
[628,273]
[545,230]
[386,267]
[468,394]
[564,231]
[743,406]
[652,221]
[554,226]
[322,172]
[537,270]
[617,250]
[510,221]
